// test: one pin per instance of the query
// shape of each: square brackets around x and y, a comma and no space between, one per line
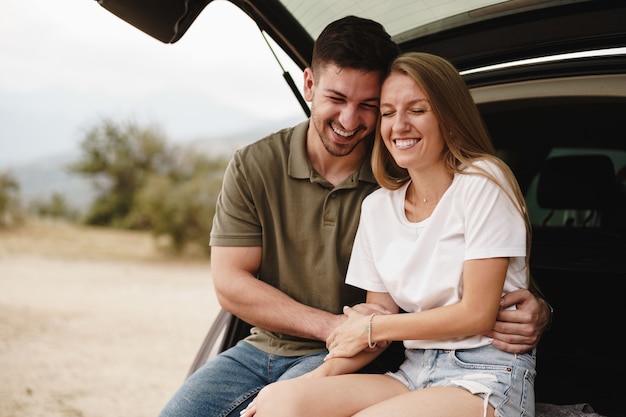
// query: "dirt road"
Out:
[92,338]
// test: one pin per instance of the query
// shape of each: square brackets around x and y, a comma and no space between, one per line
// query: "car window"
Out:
[541,216]
[400,17]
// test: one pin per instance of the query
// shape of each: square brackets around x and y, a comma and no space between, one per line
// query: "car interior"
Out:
[569,156]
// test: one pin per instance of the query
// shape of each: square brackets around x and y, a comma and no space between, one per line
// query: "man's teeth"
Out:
[405,143]
[343,133]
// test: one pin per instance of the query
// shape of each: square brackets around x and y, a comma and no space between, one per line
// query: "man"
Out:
[285,224]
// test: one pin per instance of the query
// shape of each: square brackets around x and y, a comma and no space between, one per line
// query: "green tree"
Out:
[142,183]
[55,207]
[181,205]
[11,213]
[119,159]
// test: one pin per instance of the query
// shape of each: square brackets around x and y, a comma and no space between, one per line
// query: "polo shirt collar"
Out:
[300,166]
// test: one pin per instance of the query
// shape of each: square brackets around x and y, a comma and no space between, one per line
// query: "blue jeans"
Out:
[229,382]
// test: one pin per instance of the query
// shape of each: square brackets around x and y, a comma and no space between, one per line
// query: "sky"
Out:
[66,65]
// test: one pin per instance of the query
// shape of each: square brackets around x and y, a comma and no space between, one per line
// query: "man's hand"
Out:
[369,308]
[517,331]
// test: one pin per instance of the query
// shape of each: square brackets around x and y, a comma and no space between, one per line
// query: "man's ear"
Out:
[309,82]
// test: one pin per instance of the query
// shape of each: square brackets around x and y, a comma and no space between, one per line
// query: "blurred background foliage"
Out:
[140,182]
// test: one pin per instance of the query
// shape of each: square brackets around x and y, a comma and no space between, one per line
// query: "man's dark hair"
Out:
[354,42]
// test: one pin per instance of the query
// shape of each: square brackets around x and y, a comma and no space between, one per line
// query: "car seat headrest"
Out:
[578,182]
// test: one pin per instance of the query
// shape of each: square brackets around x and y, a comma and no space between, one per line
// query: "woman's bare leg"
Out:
[429,402]
[334,396]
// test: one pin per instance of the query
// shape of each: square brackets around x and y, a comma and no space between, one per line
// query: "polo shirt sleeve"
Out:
[236,222]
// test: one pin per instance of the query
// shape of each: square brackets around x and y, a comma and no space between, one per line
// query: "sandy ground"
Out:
[97,337]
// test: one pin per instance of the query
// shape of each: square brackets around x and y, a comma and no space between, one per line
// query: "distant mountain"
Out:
[41,178]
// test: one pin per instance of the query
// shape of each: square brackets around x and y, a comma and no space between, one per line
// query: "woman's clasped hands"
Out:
[353,335]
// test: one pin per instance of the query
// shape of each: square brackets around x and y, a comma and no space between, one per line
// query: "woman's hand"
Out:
[351,337]
[249,411]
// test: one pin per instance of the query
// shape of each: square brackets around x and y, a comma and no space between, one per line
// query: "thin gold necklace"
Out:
[424,199]
[416,198]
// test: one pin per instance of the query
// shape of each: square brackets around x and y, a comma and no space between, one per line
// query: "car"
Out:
[549,78]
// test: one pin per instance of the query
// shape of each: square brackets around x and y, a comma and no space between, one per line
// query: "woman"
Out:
[437,246]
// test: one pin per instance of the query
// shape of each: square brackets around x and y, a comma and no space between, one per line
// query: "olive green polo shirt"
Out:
[272,197]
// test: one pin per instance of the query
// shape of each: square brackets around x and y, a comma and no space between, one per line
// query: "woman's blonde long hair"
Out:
[465,136]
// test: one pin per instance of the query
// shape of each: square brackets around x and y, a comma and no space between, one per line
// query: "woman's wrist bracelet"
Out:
[368,329]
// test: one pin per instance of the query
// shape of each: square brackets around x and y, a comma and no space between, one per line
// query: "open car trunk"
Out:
[536,112]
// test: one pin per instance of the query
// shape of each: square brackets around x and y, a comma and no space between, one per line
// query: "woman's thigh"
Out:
[435,401]
[328,396]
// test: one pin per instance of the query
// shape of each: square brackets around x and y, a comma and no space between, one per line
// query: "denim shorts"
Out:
[504,380]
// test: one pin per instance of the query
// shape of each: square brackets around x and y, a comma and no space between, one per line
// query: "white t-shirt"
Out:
[421,264]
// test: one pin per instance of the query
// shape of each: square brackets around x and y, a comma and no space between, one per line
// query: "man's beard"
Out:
[334,148]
